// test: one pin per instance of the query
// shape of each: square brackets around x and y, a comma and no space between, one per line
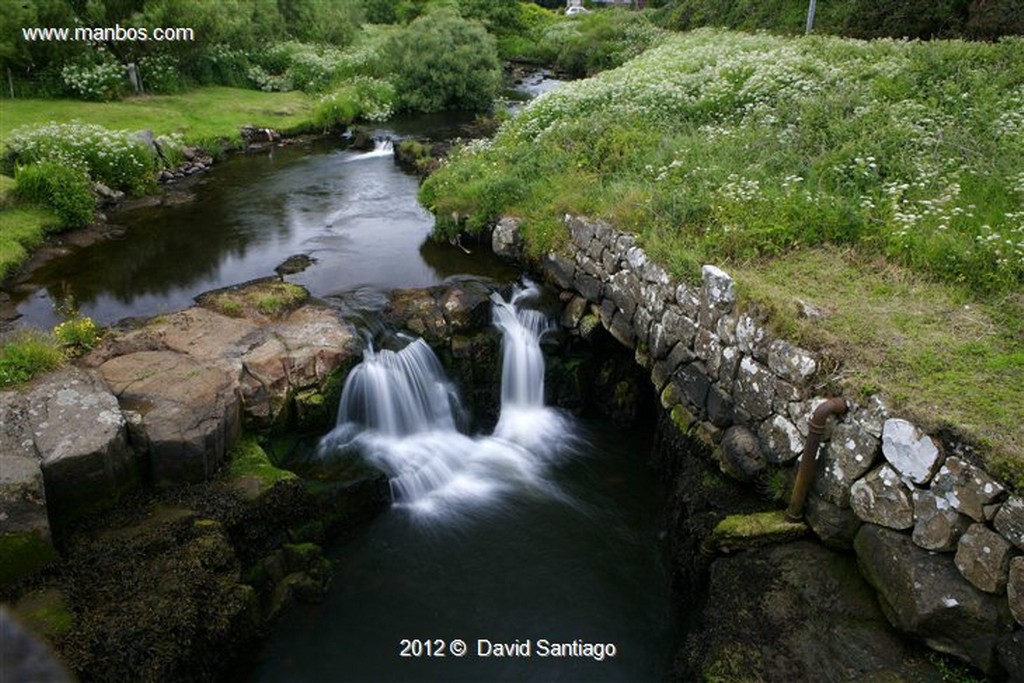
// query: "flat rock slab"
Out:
[738,532]
[190,411]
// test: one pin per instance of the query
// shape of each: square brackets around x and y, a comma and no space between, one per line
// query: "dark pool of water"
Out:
[583,566]
[356,213]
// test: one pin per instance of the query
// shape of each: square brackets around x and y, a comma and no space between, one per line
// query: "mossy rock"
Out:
[46,612]
[258,300]
[739,532]
[251,471]
[23,553]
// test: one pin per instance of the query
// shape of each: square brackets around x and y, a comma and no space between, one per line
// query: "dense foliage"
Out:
[718,146]
[974,19]
[443,61]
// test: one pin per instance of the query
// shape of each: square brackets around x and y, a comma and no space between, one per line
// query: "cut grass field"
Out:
[881,181]
[199,115]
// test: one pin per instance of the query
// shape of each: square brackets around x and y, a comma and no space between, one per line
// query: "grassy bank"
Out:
[200,115]
[207,116]
[883,180]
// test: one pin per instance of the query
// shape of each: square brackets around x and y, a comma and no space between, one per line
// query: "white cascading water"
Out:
[400,411]
[382,147]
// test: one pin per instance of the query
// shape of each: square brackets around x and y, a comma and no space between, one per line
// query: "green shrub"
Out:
[161,74]
[26,354]
[61,186]
[441,61]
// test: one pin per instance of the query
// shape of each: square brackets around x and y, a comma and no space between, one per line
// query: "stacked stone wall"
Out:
[941,540]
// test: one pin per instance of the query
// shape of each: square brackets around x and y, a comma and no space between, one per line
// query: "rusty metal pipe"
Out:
[815,428]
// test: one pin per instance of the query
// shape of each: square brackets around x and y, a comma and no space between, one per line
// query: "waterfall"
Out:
[383,146]
[399,410]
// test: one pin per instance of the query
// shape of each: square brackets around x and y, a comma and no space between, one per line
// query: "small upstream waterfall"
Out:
[383,146]
[399,411]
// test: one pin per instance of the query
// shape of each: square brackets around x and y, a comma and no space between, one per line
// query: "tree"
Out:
[442,61]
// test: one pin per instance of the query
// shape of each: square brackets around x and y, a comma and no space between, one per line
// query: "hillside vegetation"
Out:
[895,169]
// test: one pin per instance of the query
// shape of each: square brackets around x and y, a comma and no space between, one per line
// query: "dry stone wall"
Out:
[939,538]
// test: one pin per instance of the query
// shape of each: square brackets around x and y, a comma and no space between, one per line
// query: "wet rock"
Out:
[937,525]
[573,312]
[754,388]
[1009,521]
[80,437]
[693,384]
[719,407]
[834,525]
[506,240]
[1015,588]
[782,440]
[294,264]
[741,456]
[851,452]
[968,489]
[910,451]
[923,593]
[790,362]
[417,311]
[881,498]
[983,558]
[190,411]
[794,612]
[466,306]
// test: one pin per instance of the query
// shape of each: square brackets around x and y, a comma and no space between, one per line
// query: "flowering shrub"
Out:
[726,145]
[77,334]
[161,74]
[364,98]
[100,82]
[116,158]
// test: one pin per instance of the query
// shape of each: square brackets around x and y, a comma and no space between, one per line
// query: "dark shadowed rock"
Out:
[741,457]
[923,593]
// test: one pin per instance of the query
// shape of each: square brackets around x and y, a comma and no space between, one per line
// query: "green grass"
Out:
[883,181]
[200,115]
[27,353]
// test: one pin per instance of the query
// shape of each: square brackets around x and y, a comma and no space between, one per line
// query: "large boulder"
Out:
[190,411]
[923,593]
[79,435]
[794,612]
[881,498]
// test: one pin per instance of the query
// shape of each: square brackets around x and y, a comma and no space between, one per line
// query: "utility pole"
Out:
[810,17]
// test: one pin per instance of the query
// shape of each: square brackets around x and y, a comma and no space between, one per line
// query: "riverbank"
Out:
[864,212]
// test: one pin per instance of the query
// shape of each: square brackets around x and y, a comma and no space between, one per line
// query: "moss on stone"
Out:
[22,553]
[250,463]
[588,324]
[682,418]
[46,612]
[737,532]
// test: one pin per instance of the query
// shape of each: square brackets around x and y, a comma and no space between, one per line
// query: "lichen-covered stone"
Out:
[850,454]
[717,295]
[923,593]
[740,454]
[688,301]
[783,442]
[623,288]
[678,327]
[573,312]
[728,366]
[790,362]
[81,440]
[983,558]
[24,522]
[967,488]
[1015,588]
[937,526]
[871,417]
[754,388]
[1009,521]
[881,498]
[910,451]
[506,241]
[708,347]
[750,336]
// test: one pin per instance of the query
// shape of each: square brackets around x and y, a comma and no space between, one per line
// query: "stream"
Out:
[539,541]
